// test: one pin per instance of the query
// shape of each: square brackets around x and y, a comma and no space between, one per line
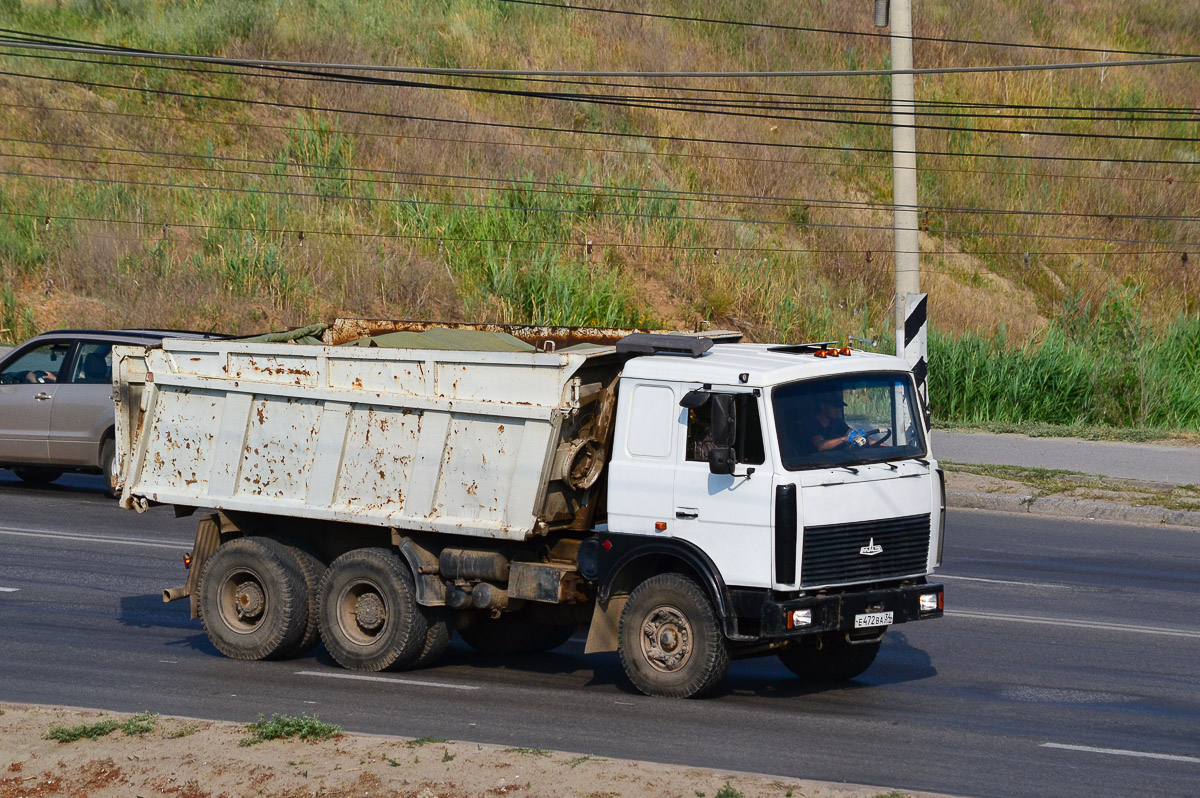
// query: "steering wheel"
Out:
[887,433]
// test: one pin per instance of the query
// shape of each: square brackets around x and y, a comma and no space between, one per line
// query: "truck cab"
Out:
[794,483]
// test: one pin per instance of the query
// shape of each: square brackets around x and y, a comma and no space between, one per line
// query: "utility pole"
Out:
[910,302]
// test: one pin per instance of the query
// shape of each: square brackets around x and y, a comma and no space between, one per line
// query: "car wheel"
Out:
[37,476]
[108,461]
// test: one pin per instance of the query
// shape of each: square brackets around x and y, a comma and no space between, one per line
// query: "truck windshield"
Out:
[849,420]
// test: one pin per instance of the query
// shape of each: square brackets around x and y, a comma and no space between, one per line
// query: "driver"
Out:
[826,429]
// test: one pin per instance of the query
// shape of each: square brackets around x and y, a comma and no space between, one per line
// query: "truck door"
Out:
[728,516]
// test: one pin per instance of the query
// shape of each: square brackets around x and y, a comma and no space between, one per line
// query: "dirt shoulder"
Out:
[207,759]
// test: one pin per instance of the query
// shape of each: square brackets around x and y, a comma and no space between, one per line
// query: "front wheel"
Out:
[828,658]
[670,638]
[368,612]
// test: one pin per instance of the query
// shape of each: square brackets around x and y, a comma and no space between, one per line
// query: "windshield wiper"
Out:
[847,468]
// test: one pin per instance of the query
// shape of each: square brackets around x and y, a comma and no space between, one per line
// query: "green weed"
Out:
[280,727]
[90,731]
[142,723]
[186,730]
[420,741]
[728,791]
[527,751]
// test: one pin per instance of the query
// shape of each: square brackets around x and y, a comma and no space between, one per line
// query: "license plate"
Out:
[872,619]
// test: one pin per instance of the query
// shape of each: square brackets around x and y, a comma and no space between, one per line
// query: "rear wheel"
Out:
[437,639]
[369,616]
[670,638]
[37,476]
[312,570]
[828,658]
[252,599]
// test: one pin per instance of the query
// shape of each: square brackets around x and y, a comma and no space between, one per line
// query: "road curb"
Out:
[1071,508]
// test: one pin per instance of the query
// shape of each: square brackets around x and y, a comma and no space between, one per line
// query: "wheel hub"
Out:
[369,612]
[249,600]
[666,639]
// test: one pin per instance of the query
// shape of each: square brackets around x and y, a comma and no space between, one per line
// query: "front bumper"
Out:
[835,612]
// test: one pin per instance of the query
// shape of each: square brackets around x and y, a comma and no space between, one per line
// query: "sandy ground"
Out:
[202,759]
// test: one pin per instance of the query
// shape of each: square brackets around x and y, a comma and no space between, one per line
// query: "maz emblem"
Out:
[870,550]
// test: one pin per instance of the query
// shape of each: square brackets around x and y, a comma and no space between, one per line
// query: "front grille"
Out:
[832,553]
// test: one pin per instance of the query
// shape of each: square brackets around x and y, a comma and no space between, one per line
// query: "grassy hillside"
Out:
[162,204]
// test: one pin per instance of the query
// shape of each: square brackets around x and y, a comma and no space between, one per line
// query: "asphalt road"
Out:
[1066,665]
[1153,462]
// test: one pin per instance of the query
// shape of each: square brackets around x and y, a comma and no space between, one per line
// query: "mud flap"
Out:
[208,537]
[606,625]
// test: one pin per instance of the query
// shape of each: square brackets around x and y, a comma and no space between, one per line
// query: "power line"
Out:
[808,29]
[386,177]
[519,73]
[616,134]
[164,227]
[619,214]
[794,99]
[641,153]
[826,104]
[613,100]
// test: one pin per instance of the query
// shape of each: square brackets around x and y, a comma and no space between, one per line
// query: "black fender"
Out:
[604,558]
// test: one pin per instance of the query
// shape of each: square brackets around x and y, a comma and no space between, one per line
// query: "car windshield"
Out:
[847,421]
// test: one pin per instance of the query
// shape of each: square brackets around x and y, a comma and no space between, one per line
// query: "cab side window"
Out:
[748,437]
[93,364]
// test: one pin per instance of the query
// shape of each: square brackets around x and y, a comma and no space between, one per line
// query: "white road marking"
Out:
[362,678]
[1123,752]
[37,533]
[1001,581]
[1108,627]
[9,589]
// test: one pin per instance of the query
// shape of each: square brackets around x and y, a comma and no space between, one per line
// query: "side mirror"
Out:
[721,460]
[724,420]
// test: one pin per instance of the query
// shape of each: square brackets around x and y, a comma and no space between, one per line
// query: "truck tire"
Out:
[830,658]
[368,612]
[312,570]
[670,638]
[37,476]
[252,599]
[514,634]
[437,639]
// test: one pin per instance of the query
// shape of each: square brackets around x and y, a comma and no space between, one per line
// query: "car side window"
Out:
[93,364]
[40,365]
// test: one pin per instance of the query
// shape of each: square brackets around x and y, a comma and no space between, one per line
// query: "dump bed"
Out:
[499,444]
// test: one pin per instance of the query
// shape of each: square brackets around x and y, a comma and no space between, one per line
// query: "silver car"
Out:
[56,405]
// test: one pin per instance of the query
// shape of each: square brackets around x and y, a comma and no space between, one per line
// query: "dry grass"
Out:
[827,280]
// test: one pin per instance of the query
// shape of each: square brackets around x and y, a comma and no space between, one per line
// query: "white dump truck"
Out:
[377,485]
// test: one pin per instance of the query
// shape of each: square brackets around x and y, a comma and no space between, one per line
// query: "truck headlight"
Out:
[928,602]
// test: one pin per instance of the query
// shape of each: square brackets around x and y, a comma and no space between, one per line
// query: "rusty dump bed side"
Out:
[498,444]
